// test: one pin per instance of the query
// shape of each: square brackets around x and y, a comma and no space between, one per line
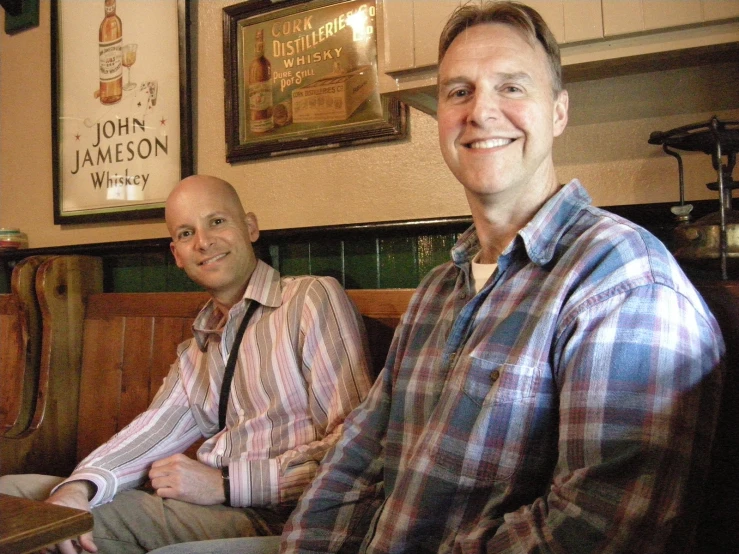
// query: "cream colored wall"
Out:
[605,146]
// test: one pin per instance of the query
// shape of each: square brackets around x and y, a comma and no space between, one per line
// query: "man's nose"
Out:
[484,106]
[203,239]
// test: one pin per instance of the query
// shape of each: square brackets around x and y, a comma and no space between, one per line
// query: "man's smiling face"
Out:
[497,112]
[212,237]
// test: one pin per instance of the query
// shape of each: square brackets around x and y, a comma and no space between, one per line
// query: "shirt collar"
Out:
[264,287]
[541,235]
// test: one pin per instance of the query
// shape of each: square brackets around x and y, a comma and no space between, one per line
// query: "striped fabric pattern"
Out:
[303,365]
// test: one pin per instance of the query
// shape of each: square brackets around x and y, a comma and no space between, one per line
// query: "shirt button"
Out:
[462,295]
[494,376]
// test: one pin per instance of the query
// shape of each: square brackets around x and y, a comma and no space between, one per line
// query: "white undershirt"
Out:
[481,272]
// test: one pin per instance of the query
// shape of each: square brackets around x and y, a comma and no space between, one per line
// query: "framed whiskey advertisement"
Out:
[120,107]
[302,76]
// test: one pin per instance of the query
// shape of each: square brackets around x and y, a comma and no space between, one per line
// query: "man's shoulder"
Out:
[600,229]
[610,248]
[308,281]
[188,344]
[311,288]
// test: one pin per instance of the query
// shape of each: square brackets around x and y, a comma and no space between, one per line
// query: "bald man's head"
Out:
[197,186]
[212,236]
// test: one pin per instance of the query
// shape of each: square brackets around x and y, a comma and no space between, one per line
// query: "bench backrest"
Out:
[130,342]
[20,344]
[43,348]
[14,343]
[83,359]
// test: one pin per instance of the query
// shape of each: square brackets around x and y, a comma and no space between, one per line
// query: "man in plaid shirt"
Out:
[552,388]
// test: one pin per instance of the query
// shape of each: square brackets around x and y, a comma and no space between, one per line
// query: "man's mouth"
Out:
[213,259]
[489,143]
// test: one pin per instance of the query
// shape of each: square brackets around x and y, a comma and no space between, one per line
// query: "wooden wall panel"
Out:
[48,444]
[100,383]
[13,343]
[136,368]
[168,333]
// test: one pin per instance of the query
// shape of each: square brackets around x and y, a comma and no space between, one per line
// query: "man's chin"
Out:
[205,277]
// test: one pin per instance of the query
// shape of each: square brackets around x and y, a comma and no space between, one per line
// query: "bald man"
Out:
[300,368]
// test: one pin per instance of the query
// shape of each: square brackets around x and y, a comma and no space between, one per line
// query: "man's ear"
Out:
[174,253]
[561,113]
[253,225]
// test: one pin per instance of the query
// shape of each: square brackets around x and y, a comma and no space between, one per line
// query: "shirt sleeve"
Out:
[167,427]
[337,509]
[639,377]
[335,367]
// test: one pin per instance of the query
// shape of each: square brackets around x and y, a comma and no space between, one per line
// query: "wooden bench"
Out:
[130,342]
[20,339]
[42,401]
[105,356]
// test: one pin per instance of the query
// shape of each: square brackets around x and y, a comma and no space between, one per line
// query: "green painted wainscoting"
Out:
[394,255]
[359,263]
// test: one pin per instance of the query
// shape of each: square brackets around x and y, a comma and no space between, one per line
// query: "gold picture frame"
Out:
[302,76]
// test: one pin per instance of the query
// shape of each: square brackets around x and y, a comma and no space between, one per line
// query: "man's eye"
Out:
[459,93]
[184,234]
[218,221]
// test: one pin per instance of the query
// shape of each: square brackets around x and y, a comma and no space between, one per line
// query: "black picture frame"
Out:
[179,166]
[351,118]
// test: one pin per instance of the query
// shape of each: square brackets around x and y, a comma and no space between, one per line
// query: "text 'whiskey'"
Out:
[260,89]
[111,57]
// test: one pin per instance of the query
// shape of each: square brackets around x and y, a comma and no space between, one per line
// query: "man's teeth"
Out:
[490,143]
[211,260]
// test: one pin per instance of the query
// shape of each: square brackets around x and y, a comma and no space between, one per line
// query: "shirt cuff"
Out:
[105,482]
[254,483]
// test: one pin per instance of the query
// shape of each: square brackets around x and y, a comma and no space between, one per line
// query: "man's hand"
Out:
[186,479]
[75,494]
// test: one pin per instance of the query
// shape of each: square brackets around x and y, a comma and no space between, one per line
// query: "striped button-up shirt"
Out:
[303,365]
[568,406]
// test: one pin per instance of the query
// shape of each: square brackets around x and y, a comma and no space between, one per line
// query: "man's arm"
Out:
[335,365]
[336,510]
[335,513]
[639,379]
[165,428]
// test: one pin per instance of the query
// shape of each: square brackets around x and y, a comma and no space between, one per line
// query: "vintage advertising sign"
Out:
[303,73]
[118,113]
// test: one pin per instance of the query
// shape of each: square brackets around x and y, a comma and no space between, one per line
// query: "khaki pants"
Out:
[138,521]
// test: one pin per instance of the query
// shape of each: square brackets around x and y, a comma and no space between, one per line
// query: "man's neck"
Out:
[498,218]
[224,302]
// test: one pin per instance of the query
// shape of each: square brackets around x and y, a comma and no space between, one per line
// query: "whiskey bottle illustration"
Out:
[111,57]
[260,89]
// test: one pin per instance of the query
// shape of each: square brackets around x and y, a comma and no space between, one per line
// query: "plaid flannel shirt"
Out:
[568,406]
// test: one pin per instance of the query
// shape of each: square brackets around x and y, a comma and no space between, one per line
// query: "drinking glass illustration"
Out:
[129,58]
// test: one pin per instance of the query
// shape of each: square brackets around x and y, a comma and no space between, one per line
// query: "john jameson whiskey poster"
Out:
[118,103]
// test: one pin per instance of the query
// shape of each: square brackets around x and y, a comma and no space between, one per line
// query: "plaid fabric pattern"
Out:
[303,365]
[569,406]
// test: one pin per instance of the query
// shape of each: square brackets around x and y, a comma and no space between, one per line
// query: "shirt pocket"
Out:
[490,382]
[492,411]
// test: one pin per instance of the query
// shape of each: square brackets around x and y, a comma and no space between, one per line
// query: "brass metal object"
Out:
[699,241]
[715,236]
